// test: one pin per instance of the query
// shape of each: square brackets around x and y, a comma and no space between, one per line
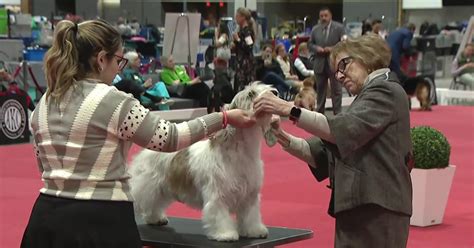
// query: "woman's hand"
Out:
[196,80]
[275,123]
[282,137]
[269,103]
[236,36]
[240,118]
[293,77]
[148,83]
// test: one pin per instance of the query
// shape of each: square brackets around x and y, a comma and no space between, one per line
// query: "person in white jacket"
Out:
[304,63]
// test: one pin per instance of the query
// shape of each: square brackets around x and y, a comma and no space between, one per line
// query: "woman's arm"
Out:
[147,129]
[313,122]
[167,78]
[295,146]
[456,69]
[221,40]
[245,39]
[284,67]
[311,151]
[299,65]
[316,124]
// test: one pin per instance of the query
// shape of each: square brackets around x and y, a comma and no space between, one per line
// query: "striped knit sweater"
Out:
[82,143]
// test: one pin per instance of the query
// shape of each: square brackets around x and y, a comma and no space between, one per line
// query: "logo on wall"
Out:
[12,119]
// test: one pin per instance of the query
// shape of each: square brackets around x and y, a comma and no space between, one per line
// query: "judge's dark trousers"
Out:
[371,226]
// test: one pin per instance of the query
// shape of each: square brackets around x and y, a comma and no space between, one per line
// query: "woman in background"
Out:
[222,43]
[304,63]
[284,60]
[152,90]
[465,65]
[244,41]
[180,84]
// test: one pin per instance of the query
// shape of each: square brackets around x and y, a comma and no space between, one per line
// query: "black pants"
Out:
[370,226]
[59,222]
[199,92]
[277,82]
[321,87]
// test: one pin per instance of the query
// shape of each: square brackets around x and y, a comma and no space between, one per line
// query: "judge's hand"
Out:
[275,124]
[272,104]
[327,49]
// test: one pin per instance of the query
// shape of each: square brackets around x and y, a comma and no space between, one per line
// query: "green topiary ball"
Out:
[430,147]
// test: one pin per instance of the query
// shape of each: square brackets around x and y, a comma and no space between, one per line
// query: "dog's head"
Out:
[306,98]
[245,98]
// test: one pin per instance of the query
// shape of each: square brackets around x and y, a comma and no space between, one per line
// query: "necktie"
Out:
[326,33]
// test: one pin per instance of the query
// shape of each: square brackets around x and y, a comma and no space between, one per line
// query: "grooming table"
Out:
[182,232]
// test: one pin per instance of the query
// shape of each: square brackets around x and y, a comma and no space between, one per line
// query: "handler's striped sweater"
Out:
[82,143]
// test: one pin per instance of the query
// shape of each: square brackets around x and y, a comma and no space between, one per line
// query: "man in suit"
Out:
[399,42]
[324,36]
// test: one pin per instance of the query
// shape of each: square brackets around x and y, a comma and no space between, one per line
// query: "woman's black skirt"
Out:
[59,222]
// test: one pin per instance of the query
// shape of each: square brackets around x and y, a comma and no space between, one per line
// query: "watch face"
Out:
[295,112]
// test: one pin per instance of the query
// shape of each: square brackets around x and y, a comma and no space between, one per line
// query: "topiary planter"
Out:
[430,195]
[432,176]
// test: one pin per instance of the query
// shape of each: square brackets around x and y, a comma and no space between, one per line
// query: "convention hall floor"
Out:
[290,196]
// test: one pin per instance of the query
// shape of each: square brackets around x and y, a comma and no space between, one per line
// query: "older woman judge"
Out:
[366,151]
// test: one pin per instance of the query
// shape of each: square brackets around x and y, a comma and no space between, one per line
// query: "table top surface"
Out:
[182,232]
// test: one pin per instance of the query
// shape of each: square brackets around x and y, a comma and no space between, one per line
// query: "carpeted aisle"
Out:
[290,197]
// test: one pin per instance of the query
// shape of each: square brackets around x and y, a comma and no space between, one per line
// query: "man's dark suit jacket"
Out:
[317,38]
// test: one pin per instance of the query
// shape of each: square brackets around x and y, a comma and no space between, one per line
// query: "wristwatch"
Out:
[295,114]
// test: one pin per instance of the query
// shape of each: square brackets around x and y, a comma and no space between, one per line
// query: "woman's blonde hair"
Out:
[248,17]
[72,56]
[277,48]
[302,47]
[369,50]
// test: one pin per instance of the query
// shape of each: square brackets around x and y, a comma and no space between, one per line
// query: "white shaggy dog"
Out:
[221,176]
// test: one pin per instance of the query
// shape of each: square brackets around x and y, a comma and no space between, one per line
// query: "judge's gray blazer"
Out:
[369,164]
[317,38]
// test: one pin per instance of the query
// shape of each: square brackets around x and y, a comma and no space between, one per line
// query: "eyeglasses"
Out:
[121,62]
[342,65]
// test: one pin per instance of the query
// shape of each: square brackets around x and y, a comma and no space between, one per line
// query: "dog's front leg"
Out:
[249,219]
[218,222]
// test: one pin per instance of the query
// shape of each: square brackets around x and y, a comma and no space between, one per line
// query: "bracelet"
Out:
[204,126]
[224,119]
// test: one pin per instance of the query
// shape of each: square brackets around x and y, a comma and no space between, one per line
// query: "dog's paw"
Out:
[259,231]
[156,221]
[227,236]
